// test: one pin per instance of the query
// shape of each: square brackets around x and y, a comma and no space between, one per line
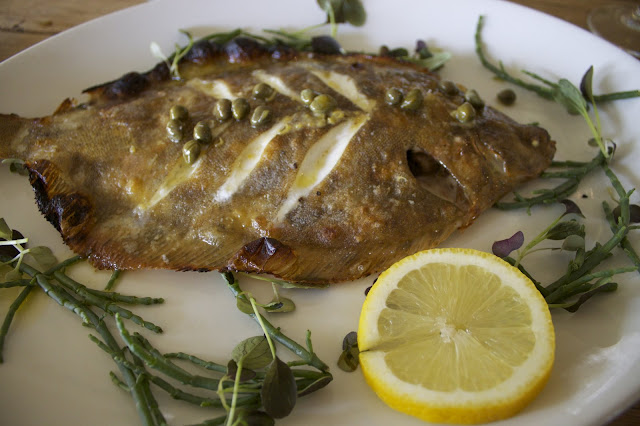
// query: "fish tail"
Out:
[12,131]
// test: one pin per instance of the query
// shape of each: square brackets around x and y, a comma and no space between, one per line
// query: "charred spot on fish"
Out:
[241,49]
[434,177]
[159,73]
[264,255]
[128,85]
[67,212]
[39,185]
[201,51]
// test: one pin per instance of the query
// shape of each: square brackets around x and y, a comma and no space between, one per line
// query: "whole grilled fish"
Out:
[312,167]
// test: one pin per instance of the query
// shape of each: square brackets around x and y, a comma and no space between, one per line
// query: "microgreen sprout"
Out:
[349,357]
[41,254]
[173,61]
[557,230]
[16,166]
[343,11]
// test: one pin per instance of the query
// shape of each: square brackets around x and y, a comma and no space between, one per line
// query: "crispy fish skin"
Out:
[306,198]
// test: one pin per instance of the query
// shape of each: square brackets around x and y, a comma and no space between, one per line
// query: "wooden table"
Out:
[26,22]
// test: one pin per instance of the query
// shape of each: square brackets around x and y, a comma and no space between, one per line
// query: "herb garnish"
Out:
[579,282]
[241,388]
[546,91]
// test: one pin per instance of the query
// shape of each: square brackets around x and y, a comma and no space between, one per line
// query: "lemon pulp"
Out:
[455,335]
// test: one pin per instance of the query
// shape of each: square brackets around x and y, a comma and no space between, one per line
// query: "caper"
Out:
[178,112]
[261,115]
[412,101]
[507,97]
[262,91]
[222,110]
[322,105]
[336,116]
[191,151]
[202,133]
[474,99]
[240,108]
[393,96]
[175,130]
[307,96]
[464,113]
[448,87]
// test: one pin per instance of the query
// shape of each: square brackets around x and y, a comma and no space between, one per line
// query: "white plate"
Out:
[53,374]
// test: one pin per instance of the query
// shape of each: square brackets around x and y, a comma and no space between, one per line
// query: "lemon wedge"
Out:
[455,336]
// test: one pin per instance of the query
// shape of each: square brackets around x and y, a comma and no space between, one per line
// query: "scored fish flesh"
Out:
[306,166]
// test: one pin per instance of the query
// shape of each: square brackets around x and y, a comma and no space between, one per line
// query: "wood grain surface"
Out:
[24,23]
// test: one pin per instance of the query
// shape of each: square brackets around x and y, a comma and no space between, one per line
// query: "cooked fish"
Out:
[312,167]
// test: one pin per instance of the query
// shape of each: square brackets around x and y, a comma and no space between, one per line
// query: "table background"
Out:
[26,22]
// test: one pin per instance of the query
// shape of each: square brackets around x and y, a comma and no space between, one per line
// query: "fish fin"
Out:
[264,255]
[12,130]
[70,212]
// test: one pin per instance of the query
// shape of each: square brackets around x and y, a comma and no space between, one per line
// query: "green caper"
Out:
[393,96]
[240,108]
[464,113]
[307,96]
[412,101]
[336,116]
[474,99]
[178,112]
[261,115]
[191,151]
[507,97]
[322,105]
[222,110]
[262,91]
[448,87]
[175,130]
[202,133]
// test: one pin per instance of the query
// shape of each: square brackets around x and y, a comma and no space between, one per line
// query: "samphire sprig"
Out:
[255,386]
[76,300]
[548,91]
[580,281]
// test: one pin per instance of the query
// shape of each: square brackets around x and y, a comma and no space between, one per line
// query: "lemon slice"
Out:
[455,336]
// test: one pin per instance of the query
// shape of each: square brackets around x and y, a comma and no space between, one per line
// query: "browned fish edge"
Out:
[238,50]
[70,209]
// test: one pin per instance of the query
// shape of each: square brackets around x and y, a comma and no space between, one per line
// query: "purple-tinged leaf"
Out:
[423,50]
[571,208]
[503,248]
